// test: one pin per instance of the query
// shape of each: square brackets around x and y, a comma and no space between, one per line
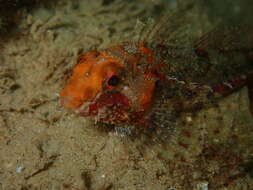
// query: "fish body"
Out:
[147,85]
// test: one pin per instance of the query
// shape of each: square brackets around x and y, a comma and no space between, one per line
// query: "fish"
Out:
[148,83]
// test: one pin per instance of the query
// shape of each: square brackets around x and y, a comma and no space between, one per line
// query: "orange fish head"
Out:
[103,87]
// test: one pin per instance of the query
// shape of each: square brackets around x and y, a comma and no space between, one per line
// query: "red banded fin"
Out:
[226,55]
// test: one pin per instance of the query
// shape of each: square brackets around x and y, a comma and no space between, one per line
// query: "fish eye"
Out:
[114,80]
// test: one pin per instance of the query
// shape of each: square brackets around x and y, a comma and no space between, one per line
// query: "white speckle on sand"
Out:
[202,185]
[19,169]
[189,119]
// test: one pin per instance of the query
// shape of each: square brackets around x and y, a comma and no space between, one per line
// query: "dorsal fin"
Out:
[169,26]
[225,38]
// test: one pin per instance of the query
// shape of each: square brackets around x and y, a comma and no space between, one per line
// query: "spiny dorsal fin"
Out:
[171,26]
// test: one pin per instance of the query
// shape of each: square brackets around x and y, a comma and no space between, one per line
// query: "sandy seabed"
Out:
[45,147]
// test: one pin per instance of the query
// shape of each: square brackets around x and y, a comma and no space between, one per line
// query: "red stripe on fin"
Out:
[230,86]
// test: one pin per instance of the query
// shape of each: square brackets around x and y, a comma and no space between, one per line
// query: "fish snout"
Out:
[70,102]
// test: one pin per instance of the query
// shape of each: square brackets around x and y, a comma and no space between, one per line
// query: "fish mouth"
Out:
[109,107]
[70,103]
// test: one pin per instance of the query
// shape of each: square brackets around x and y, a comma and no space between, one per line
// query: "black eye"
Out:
[114,80]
